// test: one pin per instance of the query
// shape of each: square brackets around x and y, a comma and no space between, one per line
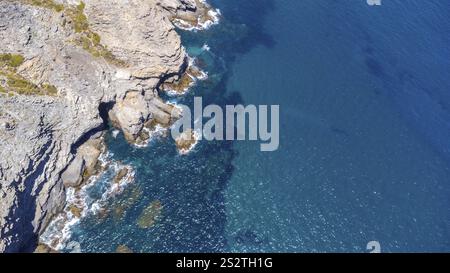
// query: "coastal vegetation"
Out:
[11,60]
[49,4]
[11,82]
[86,38]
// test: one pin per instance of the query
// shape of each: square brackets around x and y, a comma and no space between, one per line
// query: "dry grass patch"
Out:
[12,82]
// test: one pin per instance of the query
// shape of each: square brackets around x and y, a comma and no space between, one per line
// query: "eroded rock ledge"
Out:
[92,53]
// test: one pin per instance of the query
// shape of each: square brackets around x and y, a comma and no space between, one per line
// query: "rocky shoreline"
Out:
[82,64]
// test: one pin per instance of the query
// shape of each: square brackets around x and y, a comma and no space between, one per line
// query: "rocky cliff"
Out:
[66,67]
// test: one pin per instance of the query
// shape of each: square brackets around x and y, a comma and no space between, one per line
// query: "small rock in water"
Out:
[150,215]
[186,141]
[102,214]
[132,196]
[43,248]
[120,175]
[76,211]
[123,249]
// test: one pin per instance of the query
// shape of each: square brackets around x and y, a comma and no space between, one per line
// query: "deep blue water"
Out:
[365,136]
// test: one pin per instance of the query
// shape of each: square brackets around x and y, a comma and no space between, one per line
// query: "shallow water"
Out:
[365,137]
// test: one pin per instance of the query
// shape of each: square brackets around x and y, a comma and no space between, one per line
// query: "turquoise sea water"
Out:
[364,126]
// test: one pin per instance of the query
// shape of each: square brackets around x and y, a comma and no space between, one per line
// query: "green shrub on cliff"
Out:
[15,83]
[11,60]
[49,4]
[88,39]
[50,89]
[20,85]
[80,21]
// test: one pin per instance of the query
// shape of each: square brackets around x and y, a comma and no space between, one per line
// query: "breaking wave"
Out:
[90,199]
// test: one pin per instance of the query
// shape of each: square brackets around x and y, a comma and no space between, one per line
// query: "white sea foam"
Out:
[59,232]
[174,93]
[159,130]
[114,189]
[192,63]
[115,133]
[206,47]
[214,14]
[174,103]
[154,133]
[203,76]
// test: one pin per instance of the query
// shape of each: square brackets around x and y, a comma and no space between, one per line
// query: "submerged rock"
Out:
[132,196]
[76,211]
[120,175]
[43,248]
[123,249]
[150,215]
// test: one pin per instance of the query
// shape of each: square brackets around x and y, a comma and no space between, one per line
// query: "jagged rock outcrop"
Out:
[85,164]
[109,56]
[135,109]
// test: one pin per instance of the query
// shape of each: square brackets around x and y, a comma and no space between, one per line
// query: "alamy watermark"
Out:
[235,122]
